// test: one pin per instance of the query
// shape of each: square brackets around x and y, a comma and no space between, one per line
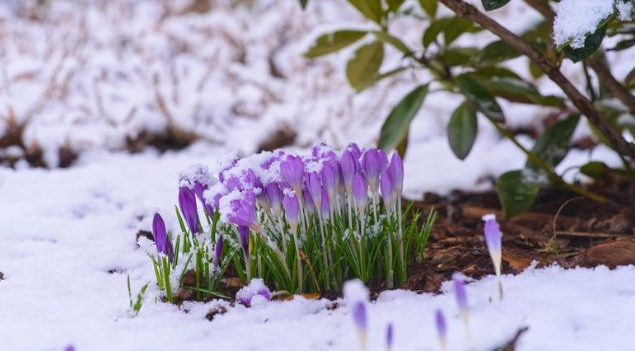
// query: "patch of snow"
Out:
[576,19]
[624,10]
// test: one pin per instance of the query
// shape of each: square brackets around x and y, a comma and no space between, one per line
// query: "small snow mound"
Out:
[624,10]
[355,290]
[254,293]
[489,217]
[577,18]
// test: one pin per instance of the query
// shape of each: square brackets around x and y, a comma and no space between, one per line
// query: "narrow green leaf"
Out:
[392,40]
[430,7]
[623,45]
[517,191]
[490,5]
[456,28]
[553,145]
[303,3]
[371,9]
[462,130]
[432,32]
[520,91]
[591,44]
[332,42]
[478,94]
[497,52]
[395,128]
[377,77]
[394,5]
[594,169]
[365,65]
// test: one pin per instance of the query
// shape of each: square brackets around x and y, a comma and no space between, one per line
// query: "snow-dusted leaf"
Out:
[478,94]
[490,5]
[395,128]
[462,130]
[430,7]
[591,44]
[517,191]
[371,9]
[332,42]
[365,64]
[553,145]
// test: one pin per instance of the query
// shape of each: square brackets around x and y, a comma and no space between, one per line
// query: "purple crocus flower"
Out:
[360,191]
[314,187]
[329,180]
[218,250]
[199,189]
[187,204]
[396,172]
[370,166]
[309,203]
[326,205]
[359,317]
[292,171]
[461,295]
[291,209]
[354,149]
[389,337]
[244,212]
[161,239]
[383,161]
[348,167]
[255,288]
[439,321]
[274,195]
[493,239]
[387,193]
[70,348]
[243,236]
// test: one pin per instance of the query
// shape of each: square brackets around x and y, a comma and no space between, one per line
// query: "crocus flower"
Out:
[383,161]
[387,193]
[274,195]
[461,296]
[354,149]
[389,337]
[328,180]
[347,164]
[291,209]
[292,171]
[70,348]
[370,166]
[314,187]
[326,205]
[396,172]
[360,191]
[161,239]
[244,212]
[199,190]
[256,288]
[309,203]
[493,239]
[187,204]
[361,322]
[243,236]
[356,296]
[439,321]
[218,250]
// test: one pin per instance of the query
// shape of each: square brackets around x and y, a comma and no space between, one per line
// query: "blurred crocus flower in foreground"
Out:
[70,348]
[255,292]
[356,295]
[493,240]
[390,336]
[439,322]
[461,297]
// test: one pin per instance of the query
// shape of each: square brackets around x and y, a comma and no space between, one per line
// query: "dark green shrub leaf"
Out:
[496,52]
[365,64]
[478,94]
[456,28]
[520,91]
[395,128]
[591,44]
[623,45]
[392,40]
[303,3]
[394,5]
[430,7]
[517,191]
[458,56]
[462,130]
[371,9]
[630,77]
[490,5]
[490,72]
[432,32]
[553,145]
[594,169]
[332,42]
[377,77]
[535,71]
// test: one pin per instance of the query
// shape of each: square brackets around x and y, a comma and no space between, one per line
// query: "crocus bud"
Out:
[439,321]
[161,239]
[243,211]
[396,172]
[383,161]
[354,149]
[389,337]
[360,191]
[370,166]
[461,296]
[328,180]
[309,203]
[255,290]
[314,187]
[326,205]
[292,171]
[218,250]
[347,164]
[493,240]
[272,190]
[243,236]
[387,193]
[199,190]
[291,208]
[356,295]
[187,204]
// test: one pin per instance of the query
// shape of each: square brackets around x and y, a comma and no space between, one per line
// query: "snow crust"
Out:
[577,18]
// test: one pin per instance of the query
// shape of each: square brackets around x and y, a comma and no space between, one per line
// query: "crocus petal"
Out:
[187,204]
[359,316]
[291,208]
[385,185]
[326,206]
[347,164]
[383,161]
[314,187]
[389,336]
[370,166]
[397,173]
[360,191]
[439,321]
[460,293]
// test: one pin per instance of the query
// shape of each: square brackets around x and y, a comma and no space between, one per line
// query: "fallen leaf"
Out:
[234,282]
[311,296]
[517,263]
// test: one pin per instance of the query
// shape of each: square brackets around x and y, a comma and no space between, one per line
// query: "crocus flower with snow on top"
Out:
[439,322]
[354,149]
[243,211]
[292,172]
[389,337]
[256,291]
[493,240]
[161,239]
[274,195]
[314,187]
[356,295]
[199,189]
[187,204]
[461,298]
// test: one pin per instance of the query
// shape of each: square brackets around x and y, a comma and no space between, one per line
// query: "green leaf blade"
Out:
[478,94]
[490,5]
[332,42]
[517,191]
[462,130]
[553,145]
[364,66]
[395,128]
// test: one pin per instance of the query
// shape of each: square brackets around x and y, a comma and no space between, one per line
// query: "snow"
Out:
[577,18]
[624,10]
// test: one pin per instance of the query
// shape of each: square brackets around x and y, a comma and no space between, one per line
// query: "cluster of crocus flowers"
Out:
[493,240]
[302,222]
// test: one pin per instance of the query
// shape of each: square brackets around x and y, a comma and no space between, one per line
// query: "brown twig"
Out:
[581,102]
